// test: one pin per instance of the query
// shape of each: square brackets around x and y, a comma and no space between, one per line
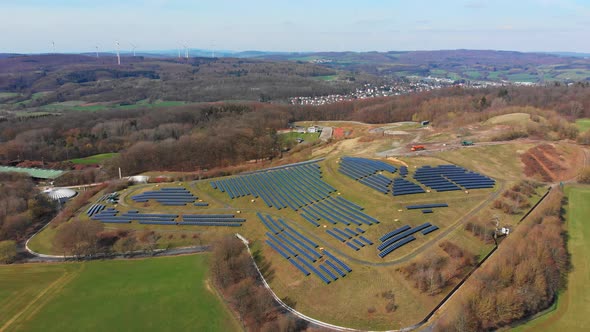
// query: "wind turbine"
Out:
[212,50]
[53,46]
[118,55]
[179,46]
[134,47]
[96,47]
[185,51]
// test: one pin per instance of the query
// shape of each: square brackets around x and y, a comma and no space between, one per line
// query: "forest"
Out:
[213,135]
[522,278]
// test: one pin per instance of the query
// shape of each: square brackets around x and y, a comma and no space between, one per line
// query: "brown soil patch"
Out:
[342,132]
[551,164]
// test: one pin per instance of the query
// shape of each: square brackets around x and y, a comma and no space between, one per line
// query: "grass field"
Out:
[95,159]
[83,106]
[583,124]
[307,137]
[573,305]
[326,77]
[156,294]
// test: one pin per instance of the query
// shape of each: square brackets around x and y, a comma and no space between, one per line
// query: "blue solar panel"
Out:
[401,235]
[426,206]
[335,268]
[301,268]
[367,241]
[429,229]
[396,246]
[394,232]
[339,262]
[329,273]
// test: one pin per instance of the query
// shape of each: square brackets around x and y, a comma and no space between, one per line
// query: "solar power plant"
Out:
[366,171]
[337,210]
[293,186]
[302,252]
[167,196]
[451,177]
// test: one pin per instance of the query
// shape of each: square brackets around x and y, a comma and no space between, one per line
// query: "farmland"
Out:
[583,124]
[96,159]
[165,294]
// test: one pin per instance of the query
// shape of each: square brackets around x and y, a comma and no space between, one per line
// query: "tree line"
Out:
[521,279]
[206,136]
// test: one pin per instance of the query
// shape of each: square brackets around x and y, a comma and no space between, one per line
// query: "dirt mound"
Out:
[342,132]
[548,163]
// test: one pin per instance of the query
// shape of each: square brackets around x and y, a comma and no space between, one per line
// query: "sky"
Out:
[30,26]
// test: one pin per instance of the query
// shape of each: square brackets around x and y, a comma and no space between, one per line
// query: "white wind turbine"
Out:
[118,55]
[53,46]
[185,51]
[96,47]
[134,47]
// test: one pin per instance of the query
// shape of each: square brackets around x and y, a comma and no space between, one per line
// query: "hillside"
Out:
[455,64]
[90,79]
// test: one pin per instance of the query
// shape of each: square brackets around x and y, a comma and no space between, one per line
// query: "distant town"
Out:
[411,84]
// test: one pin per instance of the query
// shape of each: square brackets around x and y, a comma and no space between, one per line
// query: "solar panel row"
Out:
[94,208]
[167,196]
[111,216]
[402,186]
[427,206]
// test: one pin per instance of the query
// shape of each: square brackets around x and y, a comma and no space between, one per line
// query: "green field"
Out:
[326,77]
[95,159]
[307,137]
[155,294]
[573,305]
[583,124]
[82,106]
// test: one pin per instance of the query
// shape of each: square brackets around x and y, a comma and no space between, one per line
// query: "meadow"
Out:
[95,159]
[570,313]
[155,294]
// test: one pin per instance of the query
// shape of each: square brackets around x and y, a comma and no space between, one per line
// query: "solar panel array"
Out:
[301,252]
[353,238]
[337,210]
[94,208]
[399,237]
[402,186]
[167,196]
[366,171]
[403,171]
[451,177]
[294,186]
[111,215]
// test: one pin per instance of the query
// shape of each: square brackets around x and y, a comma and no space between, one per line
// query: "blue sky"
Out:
[295,25]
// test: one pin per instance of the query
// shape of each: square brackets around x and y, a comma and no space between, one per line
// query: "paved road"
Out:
[31,258]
